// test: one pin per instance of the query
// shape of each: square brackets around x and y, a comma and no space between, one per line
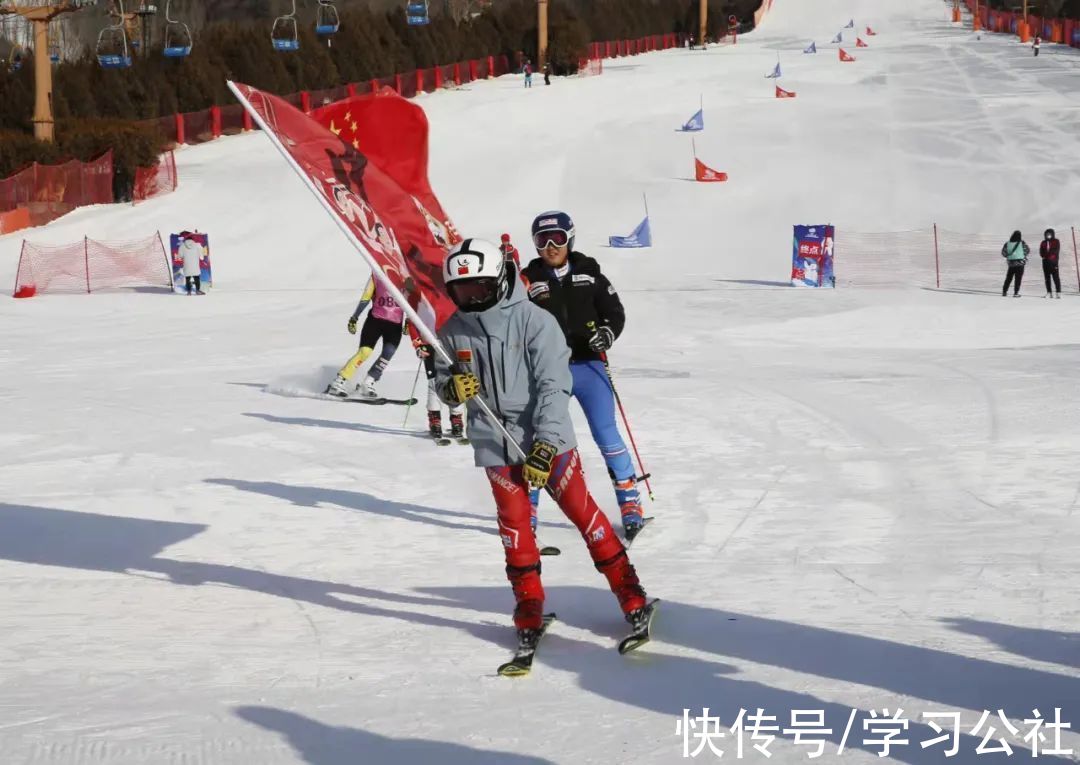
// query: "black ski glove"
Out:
[601,339]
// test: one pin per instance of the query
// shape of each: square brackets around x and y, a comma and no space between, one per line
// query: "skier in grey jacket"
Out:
[513,356]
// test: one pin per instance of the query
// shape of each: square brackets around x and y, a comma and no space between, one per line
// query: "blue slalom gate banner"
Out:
[640,237]
[812,256]
[812,48]
[775,74]
[850,24]
[695,123]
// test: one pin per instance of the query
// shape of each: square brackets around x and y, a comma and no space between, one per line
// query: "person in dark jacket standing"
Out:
[1049,249]
[571,287]
[1016,253]
[512,356]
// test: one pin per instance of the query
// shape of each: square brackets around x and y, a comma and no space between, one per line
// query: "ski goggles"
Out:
[555,236]
[470,293]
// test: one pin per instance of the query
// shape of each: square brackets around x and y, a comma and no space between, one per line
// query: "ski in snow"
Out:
[642,630]
[631,535]
[521,662]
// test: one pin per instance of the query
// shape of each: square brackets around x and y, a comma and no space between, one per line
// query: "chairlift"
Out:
[177,36]
[326,18]
[55,32]
[112,49]
[284,34]
[416,13]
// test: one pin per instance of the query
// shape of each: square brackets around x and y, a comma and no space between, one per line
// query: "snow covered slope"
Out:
[865,499]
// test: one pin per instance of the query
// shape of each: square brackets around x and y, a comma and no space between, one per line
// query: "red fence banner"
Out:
[365,160]
[154,181]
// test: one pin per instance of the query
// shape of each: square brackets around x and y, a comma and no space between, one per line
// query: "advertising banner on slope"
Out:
[195,249]
[812,257]
[384,205]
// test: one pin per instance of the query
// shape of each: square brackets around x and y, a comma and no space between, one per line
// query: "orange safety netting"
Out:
[154,181]
[49,191]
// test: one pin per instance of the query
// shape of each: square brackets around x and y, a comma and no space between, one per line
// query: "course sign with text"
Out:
[812,257]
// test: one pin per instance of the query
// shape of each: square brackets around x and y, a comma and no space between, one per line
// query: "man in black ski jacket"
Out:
[572,288]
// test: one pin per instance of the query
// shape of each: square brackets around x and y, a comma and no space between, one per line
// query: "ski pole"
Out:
[626,423]
[412,394]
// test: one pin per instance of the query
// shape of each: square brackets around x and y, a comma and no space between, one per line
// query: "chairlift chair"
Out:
[16,57]
[284,34]
[54,42]
[113,51]
[177,36]
[112,48]
[416,13]
[326,19]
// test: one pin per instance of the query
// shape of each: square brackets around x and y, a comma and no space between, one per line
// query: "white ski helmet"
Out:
[475,275]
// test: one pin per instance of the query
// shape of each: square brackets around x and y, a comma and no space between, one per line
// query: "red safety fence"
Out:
[619,48]
[48,191]
[154,181]
[1063,31]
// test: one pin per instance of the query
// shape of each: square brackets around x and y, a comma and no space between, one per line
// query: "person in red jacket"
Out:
[1049,249]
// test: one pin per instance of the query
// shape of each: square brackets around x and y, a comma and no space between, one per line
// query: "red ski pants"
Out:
[567,486]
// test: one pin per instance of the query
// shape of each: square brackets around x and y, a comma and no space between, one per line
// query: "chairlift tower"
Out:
[703,22]
[541,34]
[40,13]
[145,13]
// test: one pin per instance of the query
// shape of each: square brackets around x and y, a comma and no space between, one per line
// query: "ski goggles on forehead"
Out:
[555,236]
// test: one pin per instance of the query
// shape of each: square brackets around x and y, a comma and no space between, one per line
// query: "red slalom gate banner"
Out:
[845,56]
[365,160]
[781,93]
[706,174]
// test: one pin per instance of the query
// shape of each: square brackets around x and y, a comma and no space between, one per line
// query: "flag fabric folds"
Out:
[695,123]
[640,237]
[706,174]
[365,158]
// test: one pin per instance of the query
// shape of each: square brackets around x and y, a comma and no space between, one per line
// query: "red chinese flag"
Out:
[366,158]
[706,174]
[781,93]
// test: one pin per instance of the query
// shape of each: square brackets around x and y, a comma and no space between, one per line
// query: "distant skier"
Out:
[384,322]
[191,253]
[547,72]
[1016,253]
[527,71]
[511,354]
[434,403]
[1035,46]
[1049,250]
[571,287]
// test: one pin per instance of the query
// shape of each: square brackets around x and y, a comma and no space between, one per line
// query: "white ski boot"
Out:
[337,387]
[367,388]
